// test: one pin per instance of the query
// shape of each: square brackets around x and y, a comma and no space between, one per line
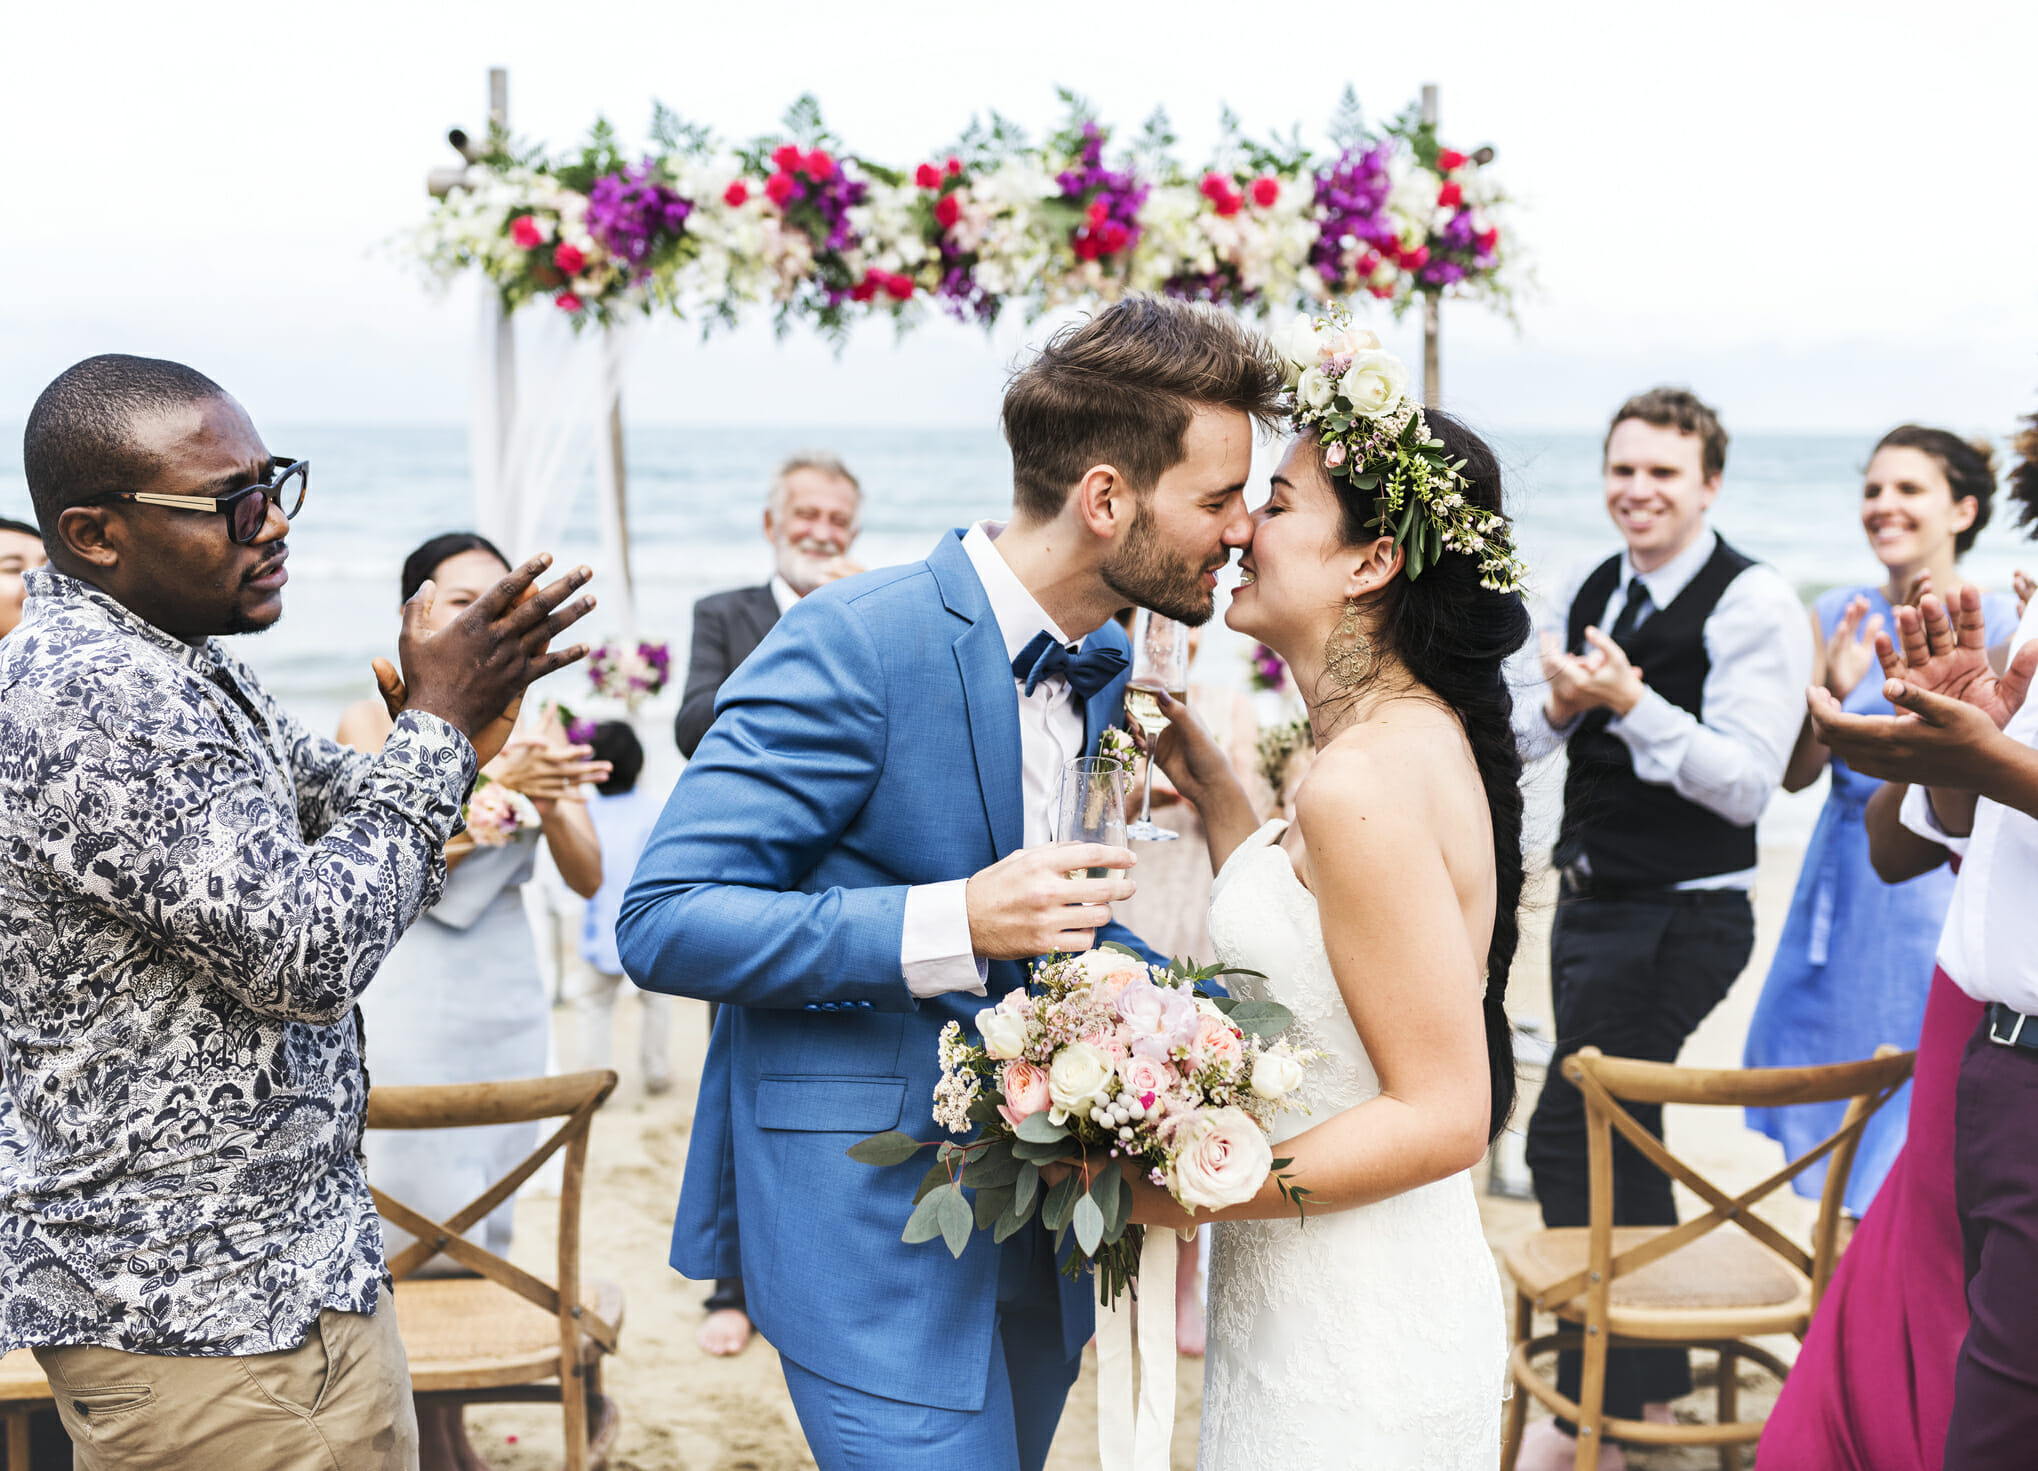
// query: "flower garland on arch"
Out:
[800,224]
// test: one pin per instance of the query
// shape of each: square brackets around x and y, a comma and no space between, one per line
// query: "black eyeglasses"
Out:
[247,509]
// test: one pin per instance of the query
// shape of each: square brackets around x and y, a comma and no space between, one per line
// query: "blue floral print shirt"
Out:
[194,889]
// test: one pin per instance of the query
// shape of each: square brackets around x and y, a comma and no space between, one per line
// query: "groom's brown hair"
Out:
[1120,388]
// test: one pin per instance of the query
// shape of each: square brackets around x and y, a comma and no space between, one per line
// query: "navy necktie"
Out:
[1638,606]
[1087,671]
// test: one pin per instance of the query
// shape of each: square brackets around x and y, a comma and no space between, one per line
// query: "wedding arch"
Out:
[598,240]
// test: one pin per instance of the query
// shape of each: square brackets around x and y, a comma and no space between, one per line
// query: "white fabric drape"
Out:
[540,424]
[1135,1435]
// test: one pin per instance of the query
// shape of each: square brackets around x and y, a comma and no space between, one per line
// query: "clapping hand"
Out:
[1850,652]
[2021,581]
[1952,704]
[1601,678]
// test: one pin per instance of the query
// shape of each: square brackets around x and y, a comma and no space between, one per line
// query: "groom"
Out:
[855,858]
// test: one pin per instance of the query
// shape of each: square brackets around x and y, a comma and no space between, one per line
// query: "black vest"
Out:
[1635,834]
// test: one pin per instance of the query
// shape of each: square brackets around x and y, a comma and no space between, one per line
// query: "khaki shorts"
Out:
[339,1401]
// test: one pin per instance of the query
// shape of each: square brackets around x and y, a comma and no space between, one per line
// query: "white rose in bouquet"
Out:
[1223,1158]
[1276,1074]
[1078,1079]
[1315,389]
[1299,345]
[1374,383]
[1004,1032]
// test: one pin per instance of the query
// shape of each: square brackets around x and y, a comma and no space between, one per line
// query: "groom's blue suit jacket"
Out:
[871,743]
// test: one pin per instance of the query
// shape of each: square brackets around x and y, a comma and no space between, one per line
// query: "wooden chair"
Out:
[1690,1285]
[506,1335]
[23,1391]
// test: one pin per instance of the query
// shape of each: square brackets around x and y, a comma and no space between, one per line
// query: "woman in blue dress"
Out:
[1854,965]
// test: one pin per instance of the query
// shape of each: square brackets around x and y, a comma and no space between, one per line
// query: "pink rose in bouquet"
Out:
[495,813]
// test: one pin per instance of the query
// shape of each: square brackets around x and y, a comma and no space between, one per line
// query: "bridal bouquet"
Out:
[495,814]
[1116,1064]
[629,673]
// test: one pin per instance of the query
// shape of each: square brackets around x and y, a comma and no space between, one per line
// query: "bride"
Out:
[1370,1334]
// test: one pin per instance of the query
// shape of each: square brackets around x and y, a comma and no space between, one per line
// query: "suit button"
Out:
[810,1007]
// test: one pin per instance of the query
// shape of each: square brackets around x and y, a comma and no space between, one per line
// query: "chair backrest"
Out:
[574,1097]
[1607,1082]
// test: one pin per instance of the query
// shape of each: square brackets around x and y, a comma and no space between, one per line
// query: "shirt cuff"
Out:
[1917,815]
[935,954]
[1656,734]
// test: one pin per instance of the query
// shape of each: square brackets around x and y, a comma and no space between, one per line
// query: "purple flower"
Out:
[1351,209]
[631,214]
[580,731]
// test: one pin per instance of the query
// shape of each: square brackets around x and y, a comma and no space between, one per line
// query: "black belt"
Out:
[2008,1028]
[1578,884]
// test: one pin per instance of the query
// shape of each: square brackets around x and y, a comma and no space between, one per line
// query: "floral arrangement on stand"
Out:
[801,225]
[629,673]
[1126,1066]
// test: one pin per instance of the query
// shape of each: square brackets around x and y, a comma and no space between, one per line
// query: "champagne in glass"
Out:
[1160,661]
[1092,806]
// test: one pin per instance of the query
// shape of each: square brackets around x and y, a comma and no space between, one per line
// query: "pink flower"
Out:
[786,157]
[781,187]
[947,210]
[1217,1040]
[1335,455]
[1266,190]
[1224,1160]
[524,230]
[1451,194]
[818,165]
[927,176]
[736,195]
[1111,1043]
[1450,159]
[566,301]
[1144,1078]
[1025,1088]
[569,258]
[899,288]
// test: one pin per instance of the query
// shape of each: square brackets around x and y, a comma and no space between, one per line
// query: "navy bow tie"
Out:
[1087,671]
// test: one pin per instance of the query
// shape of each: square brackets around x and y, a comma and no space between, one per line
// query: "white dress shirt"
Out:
[1759,646]
[783,593]
[935,953]
[1990,943]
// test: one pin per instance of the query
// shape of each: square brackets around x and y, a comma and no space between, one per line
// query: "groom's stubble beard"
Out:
[1150,574]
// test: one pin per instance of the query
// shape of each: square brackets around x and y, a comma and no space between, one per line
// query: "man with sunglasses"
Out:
[194,890]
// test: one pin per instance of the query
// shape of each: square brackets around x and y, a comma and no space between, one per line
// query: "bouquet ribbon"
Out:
[1135,1436]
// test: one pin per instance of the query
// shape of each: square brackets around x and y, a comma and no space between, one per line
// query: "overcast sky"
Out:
[1821,216]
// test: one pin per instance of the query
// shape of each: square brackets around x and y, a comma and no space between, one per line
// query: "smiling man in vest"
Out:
[1675,674]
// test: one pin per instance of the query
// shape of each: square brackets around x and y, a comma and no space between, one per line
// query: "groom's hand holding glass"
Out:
[1026,904]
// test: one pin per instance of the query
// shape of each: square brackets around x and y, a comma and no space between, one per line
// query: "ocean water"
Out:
[696,497]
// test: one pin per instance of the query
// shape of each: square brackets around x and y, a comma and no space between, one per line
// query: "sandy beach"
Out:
[686,1411]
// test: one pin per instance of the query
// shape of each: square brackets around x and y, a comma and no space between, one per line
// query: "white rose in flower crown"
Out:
[1315,389]
[1374,383]
[1222,1160]
[1276,1074]
[1299,344]
[1004,1032]
[1078,1079]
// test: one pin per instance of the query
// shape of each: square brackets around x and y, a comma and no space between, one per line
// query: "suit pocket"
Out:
[825,1105]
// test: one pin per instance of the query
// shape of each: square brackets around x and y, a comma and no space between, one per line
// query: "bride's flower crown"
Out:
[1355,396]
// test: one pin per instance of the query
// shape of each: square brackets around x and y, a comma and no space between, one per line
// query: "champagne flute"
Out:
[1092,806]
[1160,661]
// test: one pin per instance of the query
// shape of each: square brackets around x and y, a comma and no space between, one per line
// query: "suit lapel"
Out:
[988,693]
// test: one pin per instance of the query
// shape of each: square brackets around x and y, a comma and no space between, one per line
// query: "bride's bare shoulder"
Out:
[1399,767]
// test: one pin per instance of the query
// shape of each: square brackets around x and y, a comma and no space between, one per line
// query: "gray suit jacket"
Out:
[726,627]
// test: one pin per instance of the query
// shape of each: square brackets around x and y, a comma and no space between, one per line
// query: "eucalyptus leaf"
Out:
[888,1148]
[956,1219]
[1122,950]
[925,1222]
[1225,1004]
[1026,1149]
[1261,1018]
[995,1166]
[1089,1224]
[1107,1187]
[1025,1186]
[1009,1223]
[937,1176]
[1061,1202]
[985,1109]
[991,1202]
[1120,1216]
[1038,1128]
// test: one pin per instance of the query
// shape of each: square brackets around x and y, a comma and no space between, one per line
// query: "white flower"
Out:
[1222,1159]
[1315,389]
[1079,1078]
[1276,1073]
[1004,1032]
[1299,344]
[1374,384]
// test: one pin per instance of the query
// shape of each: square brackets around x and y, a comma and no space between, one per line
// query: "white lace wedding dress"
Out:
[1370,1338]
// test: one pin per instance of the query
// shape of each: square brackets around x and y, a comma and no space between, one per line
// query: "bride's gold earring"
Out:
[1348,655]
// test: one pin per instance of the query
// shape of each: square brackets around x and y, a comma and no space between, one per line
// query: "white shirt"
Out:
[935,953]
[1990,943]
[1759,645]
[783,594]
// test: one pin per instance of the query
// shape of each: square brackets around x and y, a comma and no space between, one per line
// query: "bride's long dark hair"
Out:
[1454,637]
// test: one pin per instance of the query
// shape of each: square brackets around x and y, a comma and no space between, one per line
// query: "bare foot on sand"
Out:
[1189,1328]
[1546,1448]
[725,1333]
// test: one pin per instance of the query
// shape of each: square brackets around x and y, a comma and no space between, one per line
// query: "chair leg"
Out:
[1592,1398]
[573,1402]
[17,1440]
[1728,1385]
[1517,1402]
